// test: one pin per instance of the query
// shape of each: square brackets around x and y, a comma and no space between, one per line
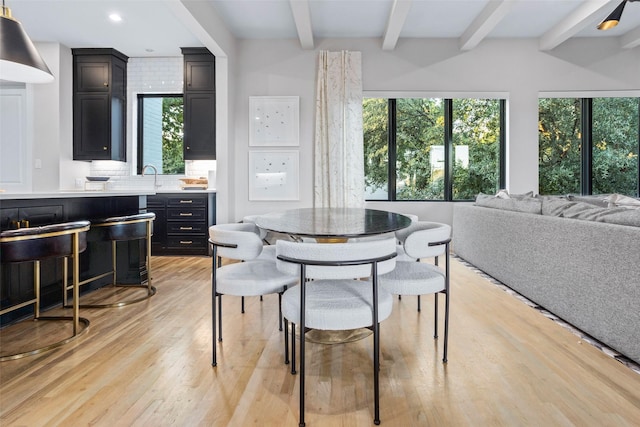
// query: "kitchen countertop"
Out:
[64,194]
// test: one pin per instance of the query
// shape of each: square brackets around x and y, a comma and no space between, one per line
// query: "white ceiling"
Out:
[150,28]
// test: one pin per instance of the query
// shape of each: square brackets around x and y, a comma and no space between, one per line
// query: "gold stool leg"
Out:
[36,288]
[65,282]
[114,263]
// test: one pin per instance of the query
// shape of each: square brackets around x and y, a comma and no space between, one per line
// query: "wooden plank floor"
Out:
[149,365]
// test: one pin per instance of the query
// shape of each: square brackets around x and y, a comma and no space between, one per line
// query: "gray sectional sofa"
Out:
[585,271]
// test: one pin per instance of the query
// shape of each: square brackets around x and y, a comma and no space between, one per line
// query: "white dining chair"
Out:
[338,291]
[413,276]
[249,276]
[268,250]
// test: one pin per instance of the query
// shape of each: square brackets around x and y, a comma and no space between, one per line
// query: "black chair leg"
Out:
[446,327]
[435,318]
[419,305]
[220,318]
[376,373]
[293,348]
[279,311]
[242,305]
[286,342]
[213,330]
[302,376]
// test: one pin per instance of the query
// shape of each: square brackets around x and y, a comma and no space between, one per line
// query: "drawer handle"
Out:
[185,242]
[186,201]
[186,214]
[186,228]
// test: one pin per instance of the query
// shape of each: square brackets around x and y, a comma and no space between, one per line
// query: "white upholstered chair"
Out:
[248,277]
[268,250]
[338,291]
[412,277]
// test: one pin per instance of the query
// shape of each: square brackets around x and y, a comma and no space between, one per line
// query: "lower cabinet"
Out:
[182,222]
[16,279]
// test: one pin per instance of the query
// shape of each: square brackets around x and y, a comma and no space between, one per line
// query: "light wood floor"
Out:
[149,365]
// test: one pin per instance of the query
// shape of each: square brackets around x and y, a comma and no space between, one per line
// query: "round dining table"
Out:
[333,225]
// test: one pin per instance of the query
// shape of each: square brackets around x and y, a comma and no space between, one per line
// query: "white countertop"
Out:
[64,194]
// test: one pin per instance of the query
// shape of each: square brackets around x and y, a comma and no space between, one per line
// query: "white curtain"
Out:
[339,156]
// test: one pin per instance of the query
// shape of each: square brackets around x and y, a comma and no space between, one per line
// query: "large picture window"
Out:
[589,145]
[433,148]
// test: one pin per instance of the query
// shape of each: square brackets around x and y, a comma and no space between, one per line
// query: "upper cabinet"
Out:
[199,104]
[99,104]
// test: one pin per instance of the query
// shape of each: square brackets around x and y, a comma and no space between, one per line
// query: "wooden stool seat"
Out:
[38,243]
[118,229]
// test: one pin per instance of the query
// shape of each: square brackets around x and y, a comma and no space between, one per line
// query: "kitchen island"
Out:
[37,209]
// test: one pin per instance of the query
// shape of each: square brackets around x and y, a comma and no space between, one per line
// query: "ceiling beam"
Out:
[302,18]
[630,39]
[398,15]
[586,14]
[486,21]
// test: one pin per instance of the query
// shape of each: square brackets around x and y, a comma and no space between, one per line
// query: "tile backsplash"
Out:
[123,179]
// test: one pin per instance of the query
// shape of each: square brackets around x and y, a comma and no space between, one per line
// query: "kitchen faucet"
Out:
[155,174]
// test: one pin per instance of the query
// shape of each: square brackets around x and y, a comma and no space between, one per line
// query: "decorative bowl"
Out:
[97,178]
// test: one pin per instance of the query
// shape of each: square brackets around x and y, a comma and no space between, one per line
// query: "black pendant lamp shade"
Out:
[19,59]
[613,19]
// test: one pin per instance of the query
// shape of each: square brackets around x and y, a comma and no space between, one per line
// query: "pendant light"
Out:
[19,59]
[613,19]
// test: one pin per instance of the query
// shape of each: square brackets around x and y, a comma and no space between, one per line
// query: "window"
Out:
[433,148]
[609,131]
[160,133]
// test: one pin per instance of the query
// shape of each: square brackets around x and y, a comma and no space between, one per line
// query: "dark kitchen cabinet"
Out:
[182,222]
[16,279]
[99,104]
[199,104]
[30,216]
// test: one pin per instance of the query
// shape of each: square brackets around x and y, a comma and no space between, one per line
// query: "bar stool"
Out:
[117,229]
[38,243]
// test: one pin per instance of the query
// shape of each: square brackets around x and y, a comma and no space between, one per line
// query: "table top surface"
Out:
[333,222]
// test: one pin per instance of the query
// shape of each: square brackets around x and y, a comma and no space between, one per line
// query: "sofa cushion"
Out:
[589,212]
[601,200]
[528,205]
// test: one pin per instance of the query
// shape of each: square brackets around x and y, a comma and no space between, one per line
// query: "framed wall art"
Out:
[274,121]
[273,175]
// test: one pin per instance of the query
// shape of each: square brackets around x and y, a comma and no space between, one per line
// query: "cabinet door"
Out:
[92,76]
[9,218]
[41,215]
[156,204]
[200,75]
[199,126]
[92,127]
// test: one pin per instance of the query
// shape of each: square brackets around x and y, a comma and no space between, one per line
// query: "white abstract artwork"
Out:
[274,121]
[273,175]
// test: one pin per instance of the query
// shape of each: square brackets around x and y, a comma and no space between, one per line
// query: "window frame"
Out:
[586,138]
[447,141]
[140,129]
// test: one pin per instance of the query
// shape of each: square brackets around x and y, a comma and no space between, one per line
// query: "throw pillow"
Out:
[621,201]
[601,200]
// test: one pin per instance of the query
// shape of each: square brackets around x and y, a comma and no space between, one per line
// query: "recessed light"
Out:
[115,17]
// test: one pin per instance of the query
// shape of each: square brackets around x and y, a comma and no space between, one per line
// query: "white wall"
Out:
[515,68]
[53,123]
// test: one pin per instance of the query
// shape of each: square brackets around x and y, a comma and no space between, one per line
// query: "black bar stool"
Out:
[38,243]
[117,229]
